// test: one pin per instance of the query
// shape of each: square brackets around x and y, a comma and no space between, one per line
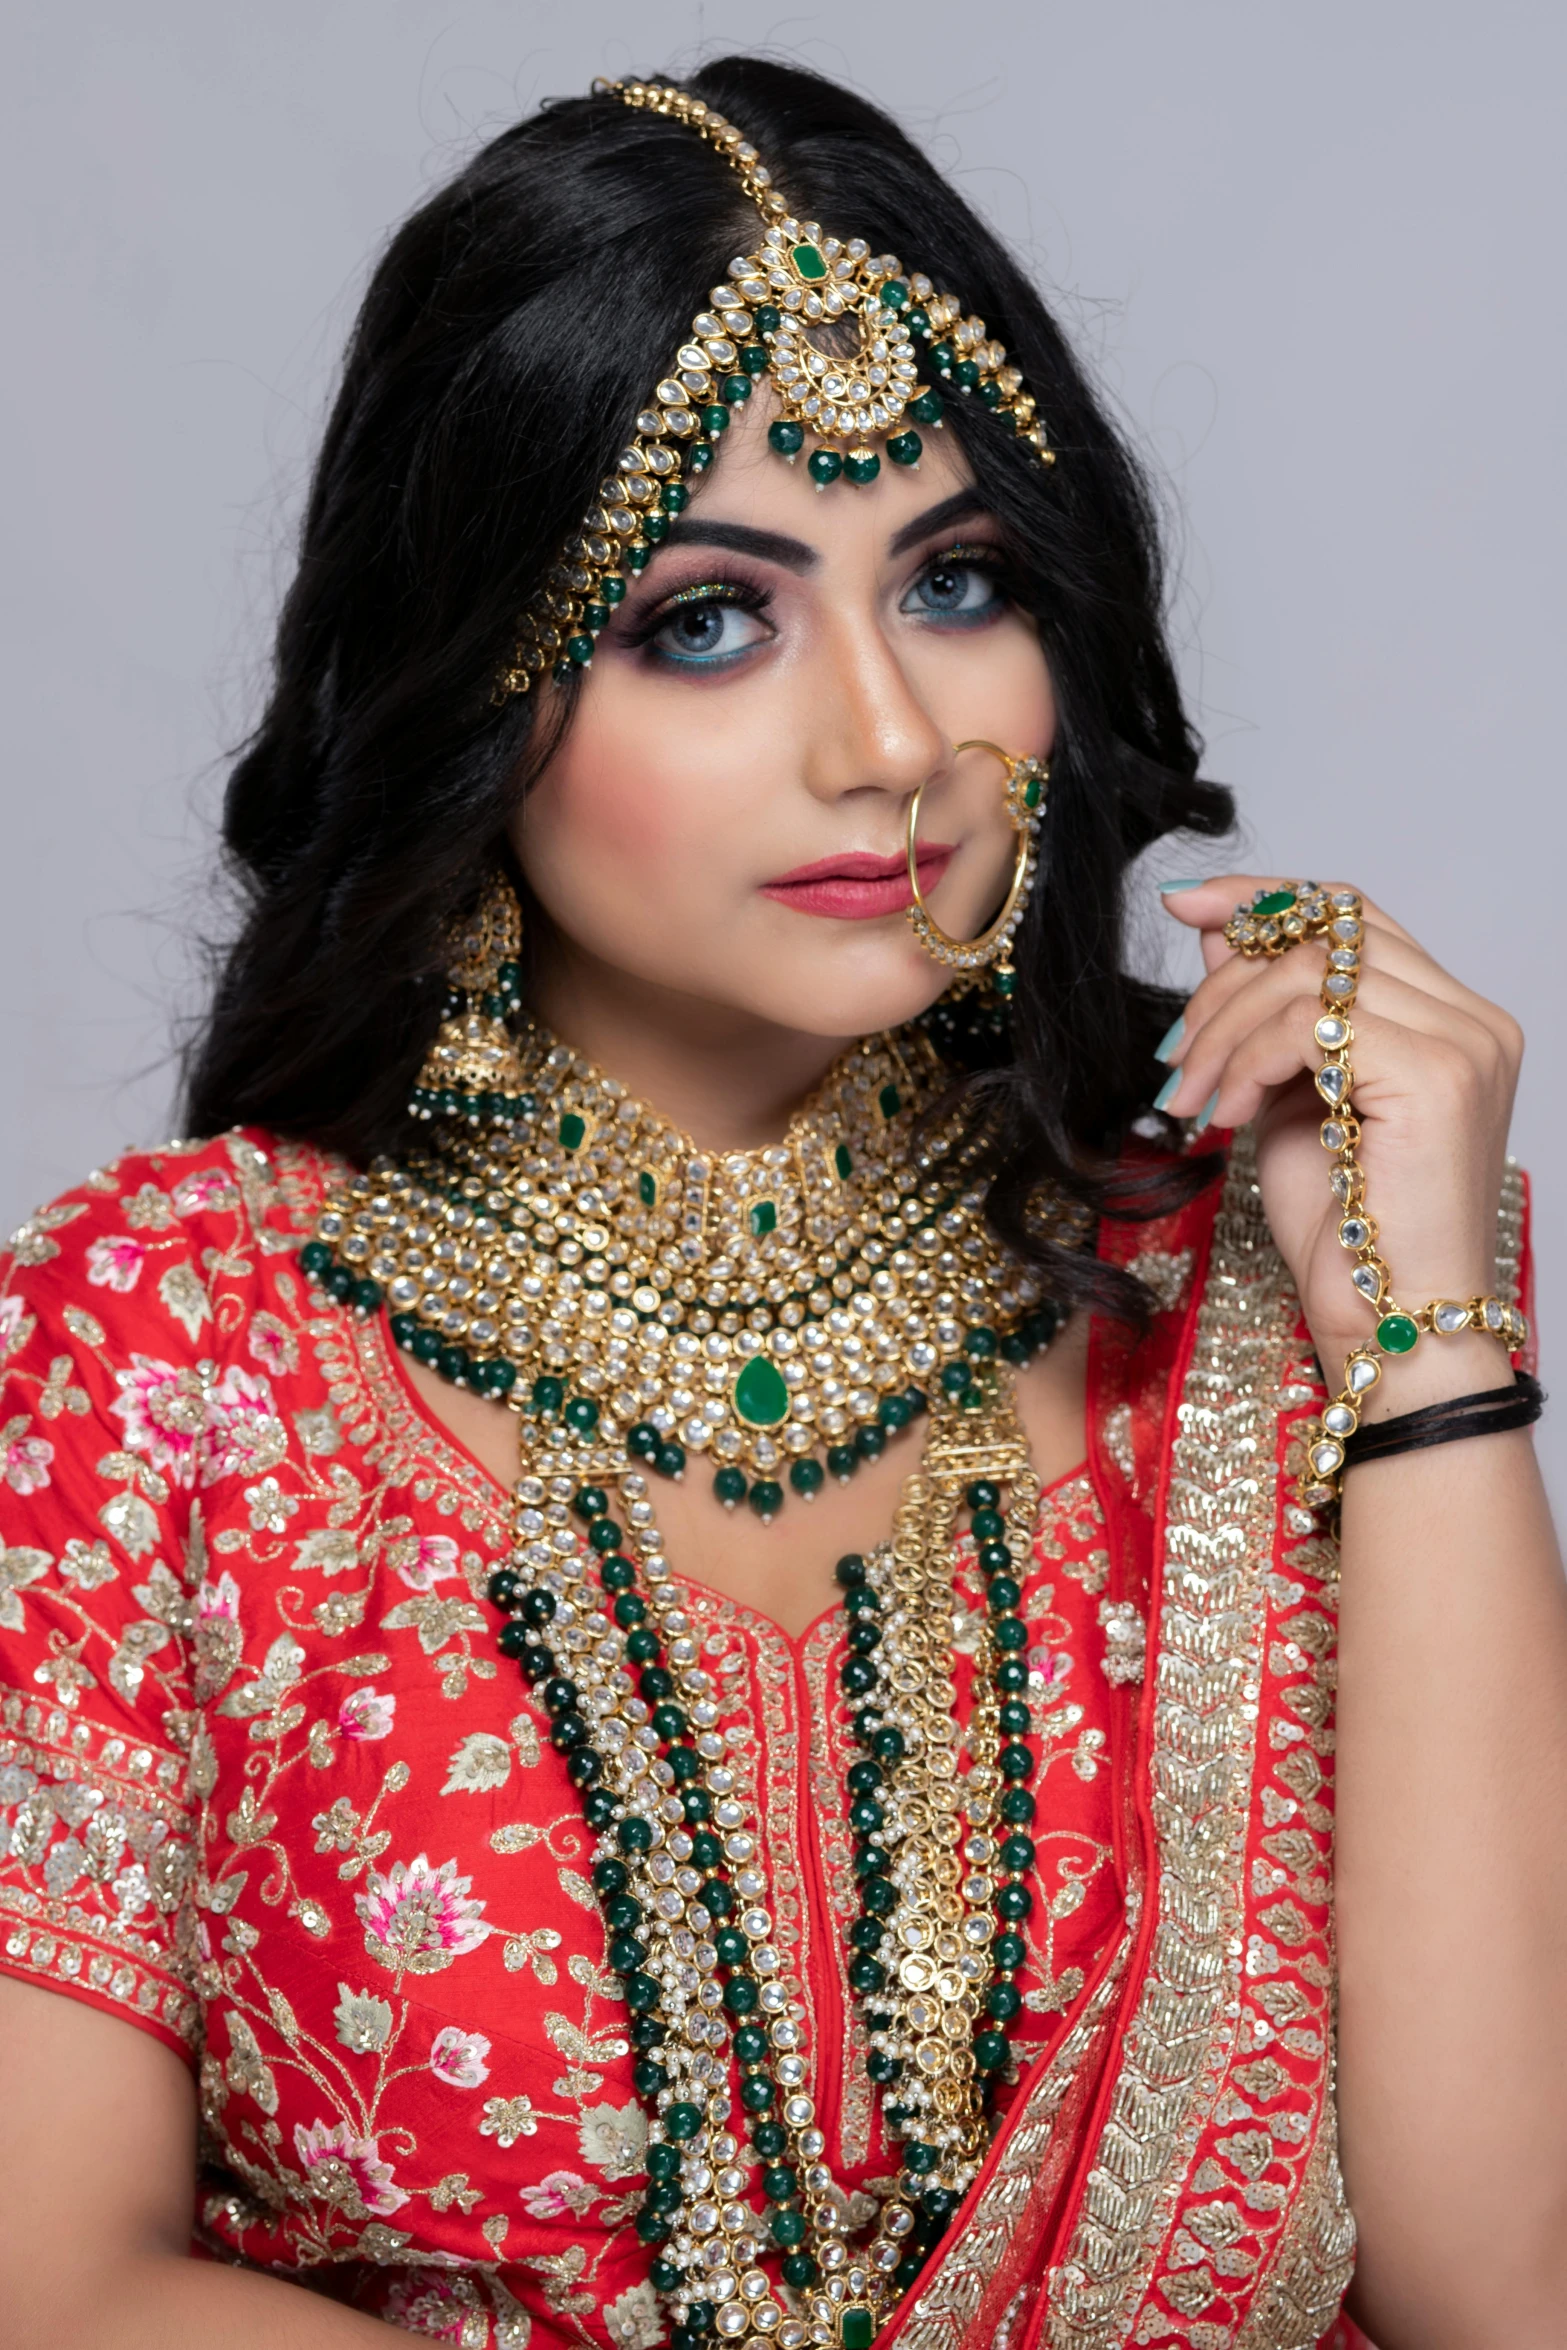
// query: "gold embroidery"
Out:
[99,1824]
[951,2312]
[1220,1537]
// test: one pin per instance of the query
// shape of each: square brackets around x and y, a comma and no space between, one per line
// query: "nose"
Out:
[866,729]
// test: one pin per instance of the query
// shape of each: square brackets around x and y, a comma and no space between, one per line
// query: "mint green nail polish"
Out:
[1172,1037]
[1205,1114]
[1166,1093]
[1172,889]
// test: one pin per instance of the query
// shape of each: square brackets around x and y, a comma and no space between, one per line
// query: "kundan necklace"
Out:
[636,1301]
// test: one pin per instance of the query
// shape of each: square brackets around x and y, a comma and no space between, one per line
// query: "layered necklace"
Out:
[785,1312]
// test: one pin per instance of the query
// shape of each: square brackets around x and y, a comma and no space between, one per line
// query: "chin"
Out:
[862,1003]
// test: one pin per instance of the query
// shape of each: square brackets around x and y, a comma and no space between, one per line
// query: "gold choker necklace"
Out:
[780,1312]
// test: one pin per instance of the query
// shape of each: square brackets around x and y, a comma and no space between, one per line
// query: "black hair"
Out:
[509,334]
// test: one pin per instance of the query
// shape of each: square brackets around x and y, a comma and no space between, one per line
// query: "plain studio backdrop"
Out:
[1314,257]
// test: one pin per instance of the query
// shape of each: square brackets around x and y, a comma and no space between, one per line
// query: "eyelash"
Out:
[748,597]
[741,592]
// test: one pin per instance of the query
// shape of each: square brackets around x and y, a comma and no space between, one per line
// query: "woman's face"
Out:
[724,822]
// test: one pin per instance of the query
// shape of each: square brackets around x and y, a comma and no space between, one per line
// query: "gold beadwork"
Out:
[767,318]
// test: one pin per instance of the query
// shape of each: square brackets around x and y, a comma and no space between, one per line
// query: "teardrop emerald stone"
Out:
[760,1397]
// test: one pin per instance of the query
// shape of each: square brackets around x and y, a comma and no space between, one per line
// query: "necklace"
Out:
[637,1301]
[781,1312]
[942,1861]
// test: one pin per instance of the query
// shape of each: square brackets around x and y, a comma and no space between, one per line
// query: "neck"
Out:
[727,1078]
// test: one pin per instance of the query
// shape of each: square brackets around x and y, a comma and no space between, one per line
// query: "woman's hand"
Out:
[1435,1070]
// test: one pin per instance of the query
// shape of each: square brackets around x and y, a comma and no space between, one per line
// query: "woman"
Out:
[670,1624]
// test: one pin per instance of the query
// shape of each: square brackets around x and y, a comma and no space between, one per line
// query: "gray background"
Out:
[1314,255]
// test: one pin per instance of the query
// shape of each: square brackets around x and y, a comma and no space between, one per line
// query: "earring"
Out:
[1025,805]
[473,1070]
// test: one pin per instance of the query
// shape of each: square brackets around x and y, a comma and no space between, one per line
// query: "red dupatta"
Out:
[1168,2173]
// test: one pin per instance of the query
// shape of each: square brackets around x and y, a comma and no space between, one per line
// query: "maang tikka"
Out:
[473,1070]
[784,308]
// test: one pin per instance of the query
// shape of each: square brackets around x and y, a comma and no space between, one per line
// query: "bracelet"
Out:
[1491,1412]
[1275,921]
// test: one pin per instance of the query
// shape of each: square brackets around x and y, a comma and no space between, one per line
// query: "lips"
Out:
[858,887]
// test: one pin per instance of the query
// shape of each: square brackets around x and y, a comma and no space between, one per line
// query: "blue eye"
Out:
[957,588]
[705,631]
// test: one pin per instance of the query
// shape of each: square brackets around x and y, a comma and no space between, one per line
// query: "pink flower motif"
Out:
[218,1599]
[457,2058]
[420,1918]
[558,2194]
[423,1560]
[115,1262]
[208,1187]
[246,1435]
[164,1413]
[346,2170]
[367,1713]
[27,1464]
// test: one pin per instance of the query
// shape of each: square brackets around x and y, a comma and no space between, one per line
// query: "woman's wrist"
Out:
[1437,1370]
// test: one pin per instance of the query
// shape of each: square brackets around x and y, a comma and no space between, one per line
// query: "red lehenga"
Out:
[266,1793]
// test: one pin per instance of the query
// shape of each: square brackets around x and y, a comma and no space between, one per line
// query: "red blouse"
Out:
[268,1792]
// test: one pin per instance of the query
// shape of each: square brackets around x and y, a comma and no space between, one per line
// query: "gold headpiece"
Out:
[760,323]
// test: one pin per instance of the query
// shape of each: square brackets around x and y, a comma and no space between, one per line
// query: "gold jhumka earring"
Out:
[1027,779]
[473,1071]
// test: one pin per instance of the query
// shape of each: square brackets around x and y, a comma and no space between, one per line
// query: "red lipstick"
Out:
[857,887]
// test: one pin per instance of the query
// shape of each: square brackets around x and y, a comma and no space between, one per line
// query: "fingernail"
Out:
[1205,1114]
[1166,1093]
[1172,1037]
[1172,889]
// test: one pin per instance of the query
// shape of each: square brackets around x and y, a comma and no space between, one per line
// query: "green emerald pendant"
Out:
[810,263]
[858,2331]
[1397,1334]
[760,1397]
[1277,901]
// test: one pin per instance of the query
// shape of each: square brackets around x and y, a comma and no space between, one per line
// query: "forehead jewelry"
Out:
[1275,921]
[784,311]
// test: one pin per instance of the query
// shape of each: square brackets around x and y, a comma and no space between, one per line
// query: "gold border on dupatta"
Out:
[1182,2039]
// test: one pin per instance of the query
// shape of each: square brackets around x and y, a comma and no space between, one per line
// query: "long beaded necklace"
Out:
[549,1253]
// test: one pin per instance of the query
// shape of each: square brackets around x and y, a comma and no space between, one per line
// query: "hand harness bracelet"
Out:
[1490,1412]
[1275,921]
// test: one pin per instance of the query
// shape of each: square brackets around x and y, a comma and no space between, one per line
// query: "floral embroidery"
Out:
[25,1460]
[367,1713]
[420,1917]
[265,1789]
[115,1262]
[347,2171]
[457,2058]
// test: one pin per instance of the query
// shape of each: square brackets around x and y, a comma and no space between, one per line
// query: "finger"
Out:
[1300,971]
[1208,905]
[1271,995]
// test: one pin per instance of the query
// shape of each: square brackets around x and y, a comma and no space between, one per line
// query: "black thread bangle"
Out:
[1489,1413]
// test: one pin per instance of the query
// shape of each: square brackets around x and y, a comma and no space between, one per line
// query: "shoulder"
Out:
[142,1243]
[155,1289]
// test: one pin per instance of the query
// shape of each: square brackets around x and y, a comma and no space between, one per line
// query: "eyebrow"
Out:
[775,546]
